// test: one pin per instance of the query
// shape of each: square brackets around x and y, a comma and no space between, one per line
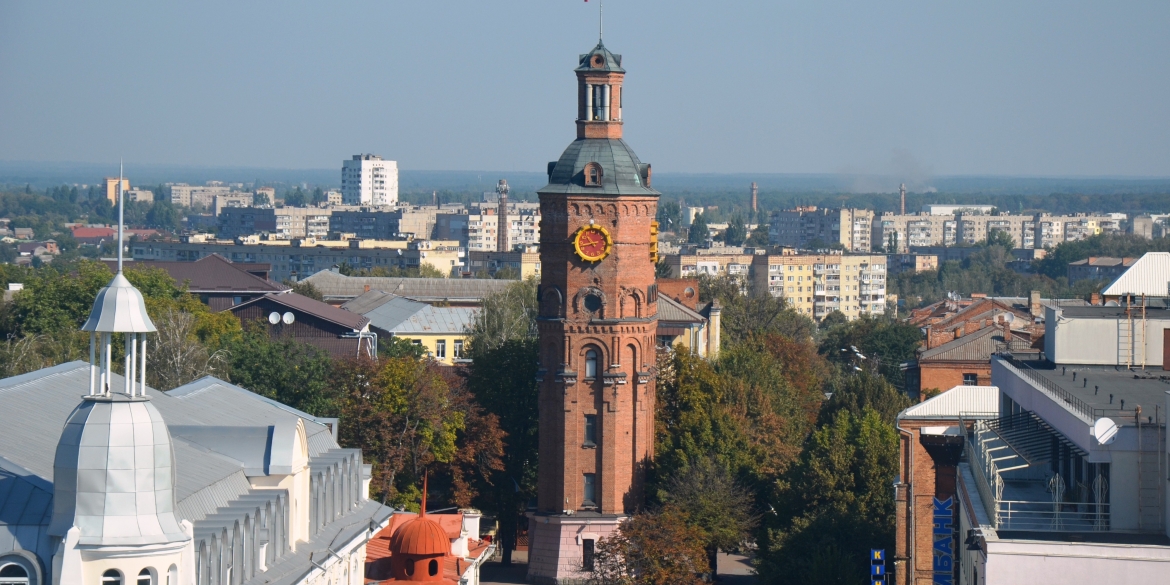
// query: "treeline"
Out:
[988,271]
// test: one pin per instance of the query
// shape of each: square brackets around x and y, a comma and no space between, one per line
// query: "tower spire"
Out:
[121,216]
[600,20]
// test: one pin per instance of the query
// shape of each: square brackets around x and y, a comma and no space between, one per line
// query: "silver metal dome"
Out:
[119,308]
[114,474]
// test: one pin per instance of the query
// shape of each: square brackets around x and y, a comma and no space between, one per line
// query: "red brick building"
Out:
[597,324]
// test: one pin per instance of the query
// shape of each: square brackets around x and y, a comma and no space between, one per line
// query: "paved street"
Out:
[733,570]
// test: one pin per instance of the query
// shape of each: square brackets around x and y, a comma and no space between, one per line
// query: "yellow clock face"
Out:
[592,243]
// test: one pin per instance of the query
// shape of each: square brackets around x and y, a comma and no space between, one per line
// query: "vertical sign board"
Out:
[944,542]
[877,566]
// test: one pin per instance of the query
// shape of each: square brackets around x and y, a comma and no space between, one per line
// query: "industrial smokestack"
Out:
[755,197]
[502,226]
[902,191]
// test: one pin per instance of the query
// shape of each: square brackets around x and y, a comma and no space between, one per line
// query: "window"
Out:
[112,577]
[591,430]
[591,364]
[458,349]
[970,379]
[590,490]
[237,300]
[587,554]
[416,341]
[441,349]
[433,567]
[146,577]
[593,175]
[13,574]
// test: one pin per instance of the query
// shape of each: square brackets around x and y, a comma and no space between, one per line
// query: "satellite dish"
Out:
[274,317]
[1105,431]
[289,318]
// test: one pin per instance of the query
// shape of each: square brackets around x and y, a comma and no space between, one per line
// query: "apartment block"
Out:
[478,229]
[379,224]
[899,263]
[185,195]
[139,195]
[110,188]
[973,228]
[226,200]
[903,231]
[366,179]
[283,223]
[805,226]
[524,263]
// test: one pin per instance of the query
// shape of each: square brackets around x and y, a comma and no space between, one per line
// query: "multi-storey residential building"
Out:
[110,188]
[281,222]
[380,224]
[479,229]
[899,263]
[524,263]
[366,179]
[903,231]
[790,276]
[226,200]
[816,285]
[139,195]
[973,228]
[805,226]
[937,209]
[299,258]
[729,261]
[185,195]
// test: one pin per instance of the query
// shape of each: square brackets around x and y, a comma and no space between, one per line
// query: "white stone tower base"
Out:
[556,544]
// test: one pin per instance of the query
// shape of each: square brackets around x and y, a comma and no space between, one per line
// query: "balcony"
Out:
[1010,461]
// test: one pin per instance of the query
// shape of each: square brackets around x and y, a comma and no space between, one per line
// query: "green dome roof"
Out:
[622,172]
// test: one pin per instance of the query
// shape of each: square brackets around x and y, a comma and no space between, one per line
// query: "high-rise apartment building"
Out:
[366,179]
[806,227]
[285,223]
[818,284]
[185,195]
[902,231]
[110,188]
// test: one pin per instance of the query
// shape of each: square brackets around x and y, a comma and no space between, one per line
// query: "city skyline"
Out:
[913,89]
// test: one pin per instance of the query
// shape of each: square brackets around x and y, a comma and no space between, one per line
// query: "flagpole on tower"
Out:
[600,20]
[121,216]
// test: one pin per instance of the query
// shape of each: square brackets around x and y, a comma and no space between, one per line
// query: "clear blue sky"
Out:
[1002,87]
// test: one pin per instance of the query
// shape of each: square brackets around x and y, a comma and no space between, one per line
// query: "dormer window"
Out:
[593,175]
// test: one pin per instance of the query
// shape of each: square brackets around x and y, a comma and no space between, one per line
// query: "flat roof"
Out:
[1159,313]
[1145,388]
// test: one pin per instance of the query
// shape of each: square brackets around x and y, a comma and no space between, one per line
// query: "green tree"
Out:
[503,379]
[759,236]
[400,347]
[287,371]
[996,237]
[669,216]
[736,232]
[305,289]
[506,315]
[651,549]
[699,233]
[296,198]
[711,500]
[885,343]
[834,505]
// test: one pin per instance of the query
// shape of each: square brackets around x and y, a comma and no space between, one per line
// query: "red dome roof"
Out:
[422,537]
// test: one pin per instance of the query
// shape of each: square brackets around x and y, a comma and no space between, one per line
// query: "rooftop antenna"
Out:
[121,215]
[600,20]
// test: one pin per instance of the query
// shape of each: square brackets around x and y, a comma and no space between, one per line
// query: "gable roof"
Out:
[401,315]
[210,274]
[1148,276]
[313,307]
[368,301]
[975,347]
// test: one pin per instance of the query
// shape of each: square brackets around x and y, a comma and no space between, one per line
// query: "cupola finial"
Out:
[121,215]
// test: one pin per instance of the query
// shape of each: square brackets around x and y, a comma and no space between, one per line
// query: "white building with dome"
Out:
[105,481]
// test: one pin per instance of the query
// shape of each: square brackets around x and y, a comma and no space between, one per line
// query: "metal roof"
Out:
[611,63]
[210,274]
[336,286]
[402,316]
[368,302]
[670,310]
[974,347]
[119,307]
[313,307]
[1149,276]
[621,170]
[960,400]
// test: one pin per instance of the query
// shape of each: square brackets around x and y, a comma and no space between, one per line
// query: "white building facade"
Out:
[366,179]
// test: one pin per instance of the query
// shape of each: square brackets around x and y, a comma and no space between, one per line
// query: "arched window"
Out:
[13,574]
[173,575]
[593,175]
[433,567]
[591,363]
[146,577]
[409,567]
[112,577]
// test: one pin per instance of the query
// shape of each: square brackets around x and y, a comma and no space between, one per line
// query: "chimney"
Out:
[366,288]
[1034,304]
[1095,299]
[902,192]
[713,324]
[755,197]
[1007,331]
[502,227]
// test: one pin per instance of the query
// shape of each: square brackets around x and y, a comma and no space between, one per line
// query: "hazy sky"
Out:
[999,87]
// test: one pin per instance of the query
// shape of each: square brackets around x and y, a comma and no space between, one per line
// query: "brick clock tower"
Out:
[598,315]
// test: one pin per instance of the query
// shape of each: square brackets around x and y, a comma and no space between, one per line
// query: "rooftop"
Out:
[209,274]
[336,286]
[1102,388]
[313,307]
[400,315]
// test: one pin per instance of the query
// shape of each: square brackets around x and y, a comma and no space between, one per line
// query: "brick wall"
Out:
[945,376]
